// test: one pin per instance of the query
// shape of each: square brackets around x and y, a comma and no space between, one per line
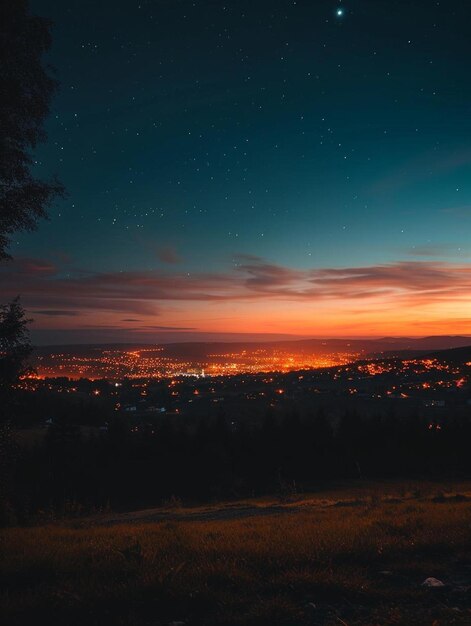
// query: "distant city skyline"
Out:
[242,168]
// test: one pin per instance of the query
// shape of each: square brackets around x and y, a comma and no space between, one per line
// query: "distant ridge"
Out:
[391,346]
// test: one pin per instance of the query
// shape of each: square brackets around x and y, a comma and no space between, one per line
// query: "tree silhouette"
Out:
[15,346]
[26,88]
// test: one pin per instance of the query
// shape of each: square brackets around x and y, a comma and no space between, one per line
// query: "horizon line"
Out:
[246,338]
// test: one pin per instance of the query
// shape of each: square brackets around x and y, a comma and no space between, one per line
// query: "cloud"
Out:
[56,313]
[155,327]
[423,279]
[140,294]
[31,266]
[165,328]
[138,329]
[168,254]
[263,276]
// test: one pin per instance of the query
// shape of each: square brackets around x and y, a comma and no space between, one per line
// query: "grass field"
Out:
[349,556]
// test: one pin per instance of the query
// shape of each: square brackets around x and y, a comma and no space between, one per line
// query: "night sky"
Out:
[284,167]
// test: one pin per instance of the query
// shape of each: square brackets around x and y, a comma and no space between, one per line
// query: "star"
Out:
[340,12]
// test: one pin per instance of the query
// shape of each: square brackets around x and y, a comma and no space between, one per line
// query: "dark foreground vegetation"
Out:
[320,561]
[70,470]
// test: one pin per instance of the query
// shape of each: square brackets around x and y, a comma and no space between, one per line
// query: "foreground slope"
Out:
[357,557]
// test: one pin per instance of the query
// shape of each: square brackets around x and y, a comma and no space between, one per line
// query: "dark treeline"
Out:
[124,469]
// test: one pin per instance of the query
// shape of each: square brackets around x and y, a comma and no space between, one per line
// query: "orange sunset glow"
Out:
[255,296]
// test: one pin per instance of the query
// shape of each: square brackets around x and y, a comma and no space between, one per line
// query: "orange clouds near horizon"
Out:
[412,298]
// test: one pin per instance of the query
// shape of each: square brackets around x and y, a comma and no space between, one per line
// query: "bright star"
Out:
[340,12]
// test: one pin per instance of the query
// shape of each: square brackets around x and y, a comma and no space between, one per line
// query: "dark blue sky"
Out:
[236,142]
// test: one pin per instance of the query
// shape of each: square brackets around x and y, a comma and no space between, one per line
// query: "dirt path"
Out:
[241,510]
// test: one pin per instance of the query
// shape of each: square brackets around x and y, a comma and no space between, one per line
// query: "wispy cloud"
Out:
[56,313]
[140,294]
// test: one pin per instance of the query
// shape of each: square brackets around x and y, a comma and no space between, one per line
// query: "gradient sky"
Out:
[254,167]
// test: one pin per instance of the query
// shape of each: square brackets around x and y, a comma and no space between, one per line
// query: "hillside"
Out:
[456,356]
[356,555]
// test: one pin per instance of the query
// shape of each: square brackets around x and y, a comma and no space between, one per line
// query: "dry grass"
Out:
[360,564]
